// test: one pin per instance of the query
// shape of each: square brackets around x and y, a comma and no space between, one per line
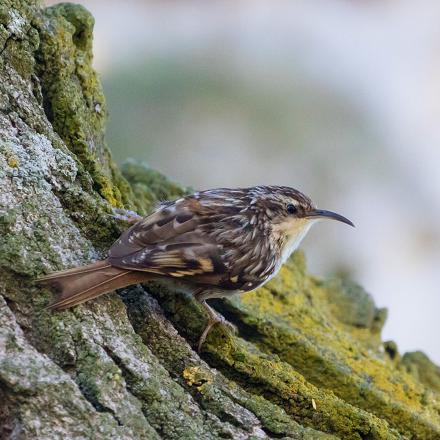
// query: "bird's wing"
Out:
[169,242]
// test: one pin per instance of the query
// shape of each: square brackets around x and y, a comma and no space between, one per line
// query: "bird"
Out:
[212,244]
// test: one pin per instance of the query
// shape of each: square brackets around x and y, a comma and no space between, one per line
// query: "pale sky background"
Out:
[338,98]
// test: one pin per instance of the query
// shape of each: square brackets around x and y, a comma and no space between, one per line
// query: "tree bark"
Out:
[307,362]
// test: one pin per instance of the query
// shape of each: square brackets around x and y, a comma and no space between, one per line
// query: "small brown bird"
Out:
[213,243]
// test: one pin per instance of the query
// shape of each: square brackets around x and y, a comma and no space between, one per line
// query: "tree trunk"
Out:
[307,361]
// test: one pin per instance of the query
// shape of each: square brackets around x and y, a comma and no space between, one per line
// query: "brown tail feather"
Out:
[81,284]
[75,271]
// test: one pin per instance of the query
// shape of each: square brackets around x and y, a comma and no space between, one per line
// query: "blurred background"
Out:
[340,99]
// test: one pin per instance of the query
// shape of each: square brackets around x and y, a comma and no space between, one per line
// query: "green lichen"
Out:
[265,376]
[149,186]
[212,390]
[300,327]
[418,364]
[73,98]
[298,349]
[353,306]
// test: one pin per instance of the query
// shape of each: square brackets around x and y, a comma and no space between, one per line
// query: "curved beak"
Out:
[322,213]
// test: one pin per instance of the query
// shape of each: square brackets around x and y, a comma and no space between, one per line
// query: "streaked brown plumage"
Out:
[213,243]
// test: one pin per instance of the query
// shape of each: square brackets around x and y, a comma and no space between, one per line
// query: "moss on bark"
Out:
[307,362]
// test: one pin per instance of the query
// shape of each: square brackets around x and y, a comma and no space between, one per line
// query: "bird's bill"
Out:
[322,213]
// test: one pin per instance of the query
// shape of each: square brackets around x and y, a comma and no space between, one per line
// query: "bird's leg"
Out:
[214,318]
[126,215]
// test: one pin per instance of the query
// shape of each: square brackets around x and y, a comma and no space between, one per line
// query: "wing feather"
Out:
[169,242]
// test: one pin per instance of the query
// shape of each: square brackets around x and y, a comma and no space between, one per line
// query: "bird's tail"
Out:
[75,286]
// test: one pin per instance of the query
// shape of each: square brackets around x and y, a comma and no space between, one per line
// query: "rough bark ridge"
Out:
[308,361]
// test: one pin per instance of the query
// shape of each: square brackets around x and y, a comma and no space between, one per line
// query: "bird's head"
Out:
[291,213]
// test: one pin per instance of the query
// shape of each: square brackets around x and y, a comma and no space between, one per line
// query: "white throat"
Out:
[296,232]
[293,242]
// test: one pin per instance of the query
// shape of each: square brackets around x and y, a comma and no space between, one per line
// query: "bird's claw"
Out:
[219,320]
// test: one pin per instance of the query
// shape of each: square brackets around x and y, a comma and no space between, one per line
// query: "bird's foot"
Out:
[125,215]
[218,319]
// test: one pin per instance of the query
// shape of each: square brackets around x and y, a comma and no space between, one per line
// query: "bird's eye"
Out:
[291,209]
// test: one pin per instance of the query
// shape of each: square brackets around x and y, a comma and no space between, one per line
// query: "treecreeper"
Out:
[212,244]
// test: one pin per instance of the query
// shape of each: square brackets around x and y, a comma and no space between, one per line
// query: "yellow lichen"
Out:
[318,357]
[13,161]
[198,377]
